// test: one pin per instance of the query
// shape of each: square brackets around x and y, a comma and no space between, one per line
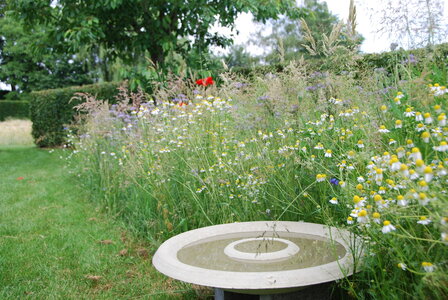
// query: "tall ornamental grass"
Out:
[367,153]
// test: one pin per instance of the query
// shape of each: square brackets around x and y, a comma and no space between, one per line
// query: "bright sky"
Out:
[372,43]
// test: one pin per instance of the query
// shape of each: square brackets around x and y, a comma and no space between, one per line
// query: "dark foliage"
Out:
[52,110]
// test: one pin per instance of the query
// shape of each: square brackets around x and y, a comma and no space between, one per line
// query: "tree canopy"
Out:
[26,69]
[128,28]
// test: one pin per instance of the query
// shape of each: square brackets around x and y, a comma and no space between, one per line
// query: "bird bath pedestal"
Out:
[259,260]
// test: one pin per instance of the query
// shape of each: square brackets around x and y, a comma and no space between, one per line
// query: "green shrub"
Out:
[14,109]
[419,58]
[51,110]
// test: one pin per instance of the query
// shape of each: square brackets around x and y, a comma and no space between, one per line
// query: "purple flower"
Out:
[239,85]
[411,60]
[334,181]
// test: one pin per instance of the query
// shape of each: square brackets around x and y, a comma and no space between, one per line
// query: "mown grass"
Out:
[54,242]
[15,133]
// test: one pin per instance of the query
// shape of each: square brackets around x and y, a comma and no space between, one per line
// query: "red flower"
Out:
[20,178]
[205,81]
[209,81]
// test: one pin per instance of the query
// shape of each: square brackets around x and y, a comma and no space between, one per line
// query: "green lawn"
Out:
[55,244]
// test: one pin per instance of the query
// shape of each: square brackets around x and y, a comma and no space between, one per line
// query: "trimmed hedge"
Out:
[387,60]
[51,110]
[14,109]
[418,57]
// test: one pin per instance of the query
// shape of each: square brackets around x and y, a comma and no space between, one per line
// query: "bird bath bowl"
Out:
[259,258]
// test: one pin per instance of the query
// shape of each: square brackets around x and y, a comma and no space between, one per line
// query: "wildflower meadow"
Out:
[356,151]
[126,123]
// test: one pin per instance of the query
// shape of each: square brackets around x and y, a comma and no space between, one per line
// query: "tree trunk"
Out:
[157,56]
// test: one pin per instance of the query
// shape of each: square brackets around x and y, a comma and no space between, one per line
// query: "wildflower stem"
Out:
[289,205]
[416,238]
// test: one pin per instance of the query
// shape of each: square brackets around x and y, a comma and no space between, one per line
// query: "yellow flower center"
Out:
[427,170]
[362,213]
[422,183]
[393,160]
[425,135]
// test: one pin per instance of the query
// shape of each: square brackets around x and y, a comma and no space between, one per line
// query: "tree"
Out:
[129,28]
[239,57]
[26,69]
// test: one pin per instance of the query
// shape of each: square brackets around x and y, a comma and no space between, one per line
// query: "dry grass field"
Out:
[15,133]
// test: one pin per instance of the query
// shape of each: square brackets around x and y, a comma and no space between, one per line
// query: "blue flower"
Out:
[334,181]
